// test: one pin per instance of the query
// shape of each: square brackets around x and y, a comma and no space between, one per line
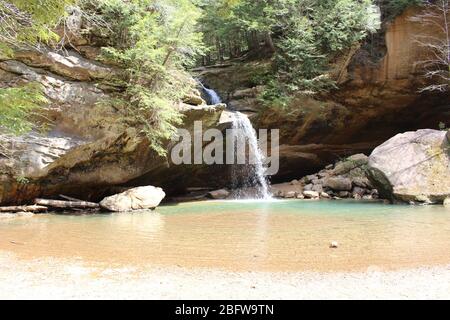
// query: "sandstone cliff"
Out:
[378,97]
[88,151]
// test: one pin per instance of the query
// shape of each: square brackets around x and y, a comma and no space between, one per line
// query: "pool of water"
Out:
[243,235]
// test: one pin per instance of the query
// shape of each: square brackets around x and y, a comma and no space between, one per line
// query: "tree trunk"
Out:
[67,204]
[254,41]
[269,42]
[33,208]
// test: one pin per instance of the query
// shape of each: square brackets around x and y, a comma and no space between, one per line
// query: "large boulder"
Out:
[148,197]
[413,166]
[447,202]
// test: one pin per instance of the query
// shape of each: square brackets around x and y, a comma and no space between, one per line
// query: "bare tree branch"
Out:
[435,15]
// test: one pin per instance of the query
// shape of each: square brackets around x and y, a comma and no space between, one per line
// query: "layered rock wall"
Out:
[377,98]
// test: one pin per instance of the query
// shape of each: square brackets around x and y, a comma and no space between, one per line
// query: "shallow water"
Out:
[243,235]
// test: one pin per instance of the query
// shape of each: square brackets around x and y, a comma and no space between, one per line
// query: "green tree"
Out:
[153,41]
[303,36]
[25,22]
[16,106]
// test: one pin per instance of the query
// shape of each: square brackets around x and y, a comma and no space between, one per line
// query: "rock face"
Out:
[139,198]
[92,169]
[413,166]
[88,151]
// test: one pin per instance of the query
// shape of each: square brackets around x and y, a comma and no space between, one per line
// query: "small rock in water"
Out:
[219,194]
[300,196]
[290,194]
[325,195]
[334,244]
[311,194]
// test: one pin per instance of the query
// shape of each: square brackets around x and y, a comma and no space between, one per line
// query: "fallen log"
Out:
[67,204]
[32,208]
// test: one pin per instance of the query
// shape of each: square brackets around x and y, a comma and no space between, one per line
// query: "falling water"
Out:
[213,97]
[248,179]
[251,175]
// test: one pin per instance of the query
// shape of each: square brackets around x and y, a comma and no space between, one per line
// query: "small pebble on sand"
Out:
[334,244]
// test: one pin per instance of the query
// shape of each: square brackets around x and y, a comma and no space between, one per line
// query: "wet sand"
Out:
[62,279]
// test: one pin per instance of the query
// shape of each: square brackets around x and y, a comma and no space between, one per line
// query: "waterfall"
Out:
[212,96]
[251,175]
[249,179]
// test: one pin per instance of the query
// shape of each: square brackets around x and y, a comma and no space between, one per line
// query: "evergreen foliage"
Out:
[17,105]
[153,41]
[25,22]
[303,36]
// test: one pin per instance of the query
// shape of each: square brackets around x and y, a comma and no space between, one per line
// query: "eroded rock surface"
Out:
[413,166]
[88,151]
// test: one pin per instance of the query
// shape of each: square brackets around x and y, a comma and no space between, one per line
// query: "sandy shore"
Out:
[58,279]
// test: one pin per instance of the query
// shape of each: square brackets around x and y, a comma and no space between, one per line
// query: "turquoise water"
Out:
[243,235]
[333,208]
